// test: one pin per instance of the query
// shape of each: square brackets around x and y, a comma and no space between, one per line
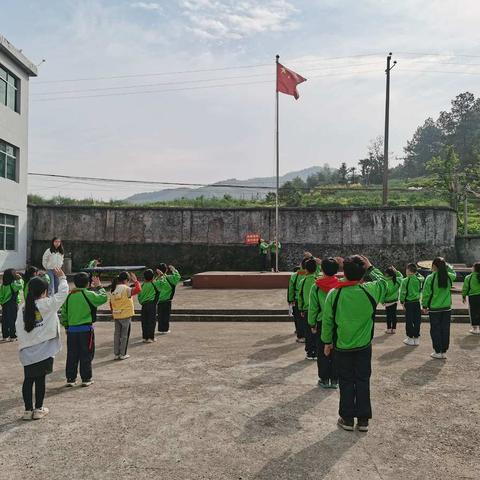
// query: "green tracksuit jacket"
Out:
[166,284]
[471,285]
[148,292]
[293,286]
[393,288]
[304,291]
[349,311]
[76,310]
[411,288]
[6,291]
[435,298]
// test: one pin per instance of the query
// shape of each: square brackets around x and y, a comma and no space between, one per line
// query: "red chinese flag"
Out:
[287,81]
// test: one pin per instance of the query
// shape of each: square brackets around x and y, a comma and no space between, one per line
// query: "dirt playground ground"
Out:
[238,401]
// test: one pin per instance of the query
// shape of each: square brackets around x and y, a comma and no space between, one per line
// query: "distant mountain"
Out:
[212,191]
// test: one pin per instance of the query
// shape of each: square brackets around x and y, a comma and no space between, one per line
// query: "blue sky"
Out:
[206,134]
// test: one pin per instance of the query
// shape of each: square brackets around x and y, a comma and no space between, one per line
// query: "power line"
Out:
[203,70]
[175,82]
[192,88]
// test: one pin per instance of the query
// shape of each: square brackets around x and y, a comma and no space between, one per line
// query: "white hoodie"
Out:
[49,326]
[52,260]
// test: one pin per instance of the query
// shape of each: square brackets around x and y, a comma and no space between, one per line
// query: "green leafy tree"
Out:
[342,174]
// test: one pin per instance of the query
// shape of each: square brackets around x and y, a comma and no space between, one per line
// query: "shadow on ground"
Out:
[267,354]
[275,376]
[315,461]
[471,342]
[424,374]
[398,354]
[274,340]
[283,418]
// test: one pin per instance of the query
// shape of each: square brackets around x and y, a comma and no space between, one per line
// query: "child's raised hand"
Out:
[96,282]
[133,277]
[58,272]
[366,261]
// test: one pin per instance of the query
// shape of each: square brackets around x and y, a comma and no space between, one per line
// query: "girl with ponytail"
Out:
[38,331]
[471,289]
[437,302]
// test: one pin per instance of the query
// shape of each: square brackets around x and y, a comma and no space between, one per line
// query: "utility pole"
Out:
[385,139]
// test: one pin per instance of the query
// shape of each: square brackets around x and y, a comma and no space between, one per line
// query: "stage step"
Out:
[253,316]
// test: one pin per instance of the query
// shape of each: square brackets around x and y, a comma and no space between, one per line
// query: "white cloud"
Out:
[146,5]
[230,19]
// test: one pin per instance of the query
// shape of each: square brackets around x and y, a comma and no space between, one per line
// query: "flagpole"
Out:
[278,166]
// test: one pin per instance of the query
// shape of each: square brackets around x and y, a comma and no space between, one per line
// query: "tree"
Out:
[371,167]
[342,173]
[426,143]
[450,178]
[289,193]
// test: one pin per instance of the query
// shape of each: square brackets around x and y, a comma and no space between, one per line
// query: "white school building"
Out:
[15,72]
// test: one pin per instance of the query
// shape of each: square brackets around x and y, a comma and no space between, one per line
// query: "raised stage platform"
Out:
[242,280]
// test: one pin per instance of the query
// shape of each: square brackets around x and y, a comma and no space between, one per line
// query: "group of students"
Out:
[335,318]
[266,249]
[36,324]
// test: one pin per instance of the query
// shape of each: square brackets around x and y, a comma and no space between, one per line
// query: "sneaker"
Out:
[333,385]
[39,413]
[323,383]
[116,357]
[4,340]
[444,356]
[145,340]
[345,423]
[27,415]
[438,356]
[300,340]
[310,357]
[416,341]
[10,339]
[473,330]
[409,341]
[71,383]
[362,424]
[87,383]
[123,357]
[394,331]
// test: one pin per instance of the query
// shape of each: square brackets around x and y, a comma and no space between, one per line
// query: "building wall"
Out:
[213,239]
[13,195]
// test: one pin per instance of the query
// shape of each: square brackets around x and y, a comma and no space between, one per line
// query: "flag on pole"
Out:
[287,81]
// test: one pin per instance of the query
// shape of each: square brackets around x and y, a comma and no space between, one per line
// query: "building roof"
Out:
[18,57]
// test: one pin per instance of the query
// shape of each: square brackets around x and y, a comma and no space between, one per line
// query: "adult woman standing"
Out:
[52,259]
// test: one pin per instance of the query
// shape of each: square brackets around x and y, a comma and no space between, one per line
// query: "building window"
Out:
[8,231]
[8,161]
[9,89]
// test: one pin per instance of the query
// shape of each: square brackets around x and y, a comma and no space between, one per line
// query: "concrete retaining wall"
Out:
[213,239]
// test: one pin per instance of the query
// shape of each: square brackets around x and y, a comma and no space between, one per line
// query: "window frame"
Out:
[11,225]
[10,81]
[4,147]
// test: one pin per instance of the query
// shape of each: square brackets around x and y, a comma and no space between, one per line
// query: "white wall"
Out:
[13,195]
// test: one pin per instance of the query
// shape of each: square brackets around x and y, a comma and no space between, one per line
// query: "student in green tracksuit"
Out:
[471,289]
[168,278]
[394,279]
[410,292]
[78,315]
[347,327]
[292,299]
[265,255]
[303,302]
[437,301]
[148,299]
[31,272]
[273,251]
[327,372]
[9,299]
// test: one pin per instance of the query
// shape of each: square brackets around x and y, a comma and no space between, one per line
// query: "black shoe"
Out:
[346,423]
[323,383]
[333,384]
[362,424]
